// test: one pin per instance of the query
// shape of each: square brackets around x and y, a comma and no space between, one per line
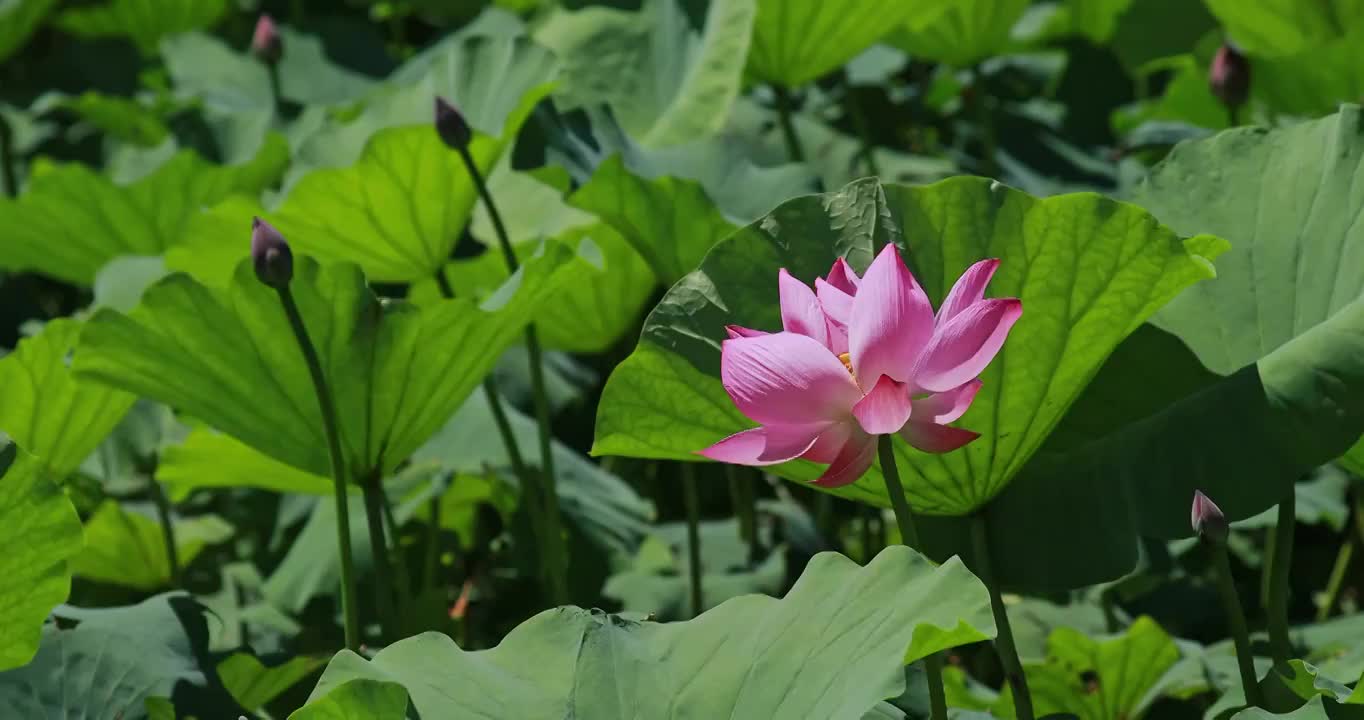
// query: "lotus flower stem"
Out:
[163,514]
[1337,580]
[349,609]
[741,495]
[785,110]
[693,502]
[7,158]
[1236,618]
[529,482]
[909,535]
[1278,569]
[553,549]
[383,570]
[1004,640]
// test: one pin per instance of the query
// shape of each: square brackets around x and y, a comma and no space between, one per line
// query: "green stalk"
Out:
[785,110]
[985,123]
[1279,642]
[741,496]
[553,549]
[383,573]
[163,513]
[7,158]
[909,536]
[402,580]
[693,502]
[275,92]
[1236,618]
[1004,640]
[349,610]
[859,120]
[432,561]
[1337,580]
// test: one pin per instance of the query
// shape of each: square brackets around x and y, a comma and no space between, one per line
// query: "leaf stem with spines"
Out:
[349,609]
[692,500]
[1004,638]
[1281,646]
[553,545]
[373,489]
[909,536]
[1236,618]
[741,496]
[163,513]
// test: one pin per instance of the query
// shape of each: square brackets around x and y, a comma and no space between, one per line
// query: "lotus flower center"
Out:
[847,363]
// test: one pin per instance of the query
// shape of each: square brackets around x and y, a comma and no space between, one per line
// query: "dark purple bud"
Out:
[450,125]
[1229,76]
[270,254]
[265,41]
[1207,519]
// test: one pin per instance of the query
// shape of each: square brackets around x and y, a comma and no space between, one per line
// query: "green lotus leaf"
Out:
[127,546]
[670,222]
[1294,262]
[968,32]
[666,84]
[228,357]
[1314,710]
[70,220]
[49,412]
[209,459]
[841,626]
[253,684]
[1284,27]
[113,661]
[784,51]
[1317,80]
[18,20]
[39,530]
[120,117]
[1088,270]
[359,699]
[145,22]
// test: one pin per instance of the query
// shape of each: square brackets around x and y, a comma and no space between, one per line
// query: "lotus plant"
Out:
[858,358]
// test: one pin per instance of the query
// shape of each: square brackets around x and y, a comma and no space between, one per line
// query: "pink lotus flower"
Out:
[858,358]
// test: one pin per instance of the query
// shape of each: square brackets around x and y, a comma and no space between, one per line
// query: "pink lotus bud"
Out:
[1229,76]
[1207,519]
[450,125]
[270,254]
[265,41]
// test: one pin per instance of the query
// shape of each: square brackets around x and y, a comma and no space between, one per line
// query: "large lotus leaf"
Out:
[1285,27]
[842,626]
[1314,710]
[121,118]
[968,32]
[107,666]
[49,412]
[1316,80]
[671,223]
[18,20]
[70,220]
[145,22]
[592,311]
[39,530]
[207,459]
[1088,270]
[127,546]
[796,41]
[396,372]
[1297,260]
[494,81]
[666,84]
[359,699]
[1099,679]
[307,76]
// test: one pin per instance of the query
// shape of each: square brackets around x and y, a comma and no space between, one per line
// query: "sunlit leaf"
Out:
[228,357]
[841,626]
[18,19]
[208,459]
[1284,27]
[39,531]
[968,32]
[145,22]
[46,410]
[358,700]
[127,546]
[70,220]
[253,684]
[666,84]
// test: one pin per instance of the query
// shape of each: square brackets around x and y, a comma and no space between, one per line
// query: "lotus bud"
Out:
[1229,76]
[450,125]
[266,43]
[1207,519]
[270,254]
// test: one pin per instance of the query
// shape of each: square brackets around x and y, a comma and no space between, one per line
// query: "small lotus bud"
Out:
[1207,519]
[265,41]
[271,255]
[450,125]
[1229,76]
